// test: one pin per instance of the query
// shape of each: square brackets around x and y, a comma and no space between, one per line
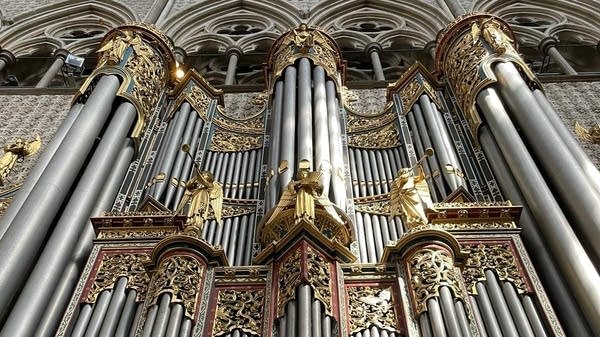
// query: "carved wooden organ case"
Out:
[350,269]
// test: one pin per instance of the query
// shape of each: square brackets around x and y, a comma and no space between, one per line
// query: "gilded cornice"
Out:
[466,50]
[142,56]
[413,83]
[195,90]
[305,42]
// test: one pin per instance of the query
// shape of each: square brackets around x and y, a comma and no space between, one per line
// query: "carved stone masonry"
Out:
[495,256]
[180,276]
[114,266]
[239,309]
[429,269]
[371,305]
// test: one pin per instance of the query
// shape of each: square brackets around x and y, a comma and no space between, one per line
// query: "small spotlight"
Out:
[179,73]
[75,61]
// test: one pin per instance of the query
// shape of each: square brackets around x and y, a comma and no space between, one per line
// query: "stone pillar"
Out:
[233,54]
[6,58]
[373,50]
[454,6]
[548,47]
[157,8]
[430,49]
[59,60]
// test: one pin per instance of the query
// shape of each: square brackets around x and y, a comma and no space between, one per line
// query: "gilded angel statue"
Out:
[116,47]
[16,152]
[493,34]
[203,193]
[410,196]
[303,193]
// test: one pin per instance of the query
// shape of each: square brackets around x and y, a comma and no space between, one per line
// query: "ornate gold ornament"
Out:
[413,83]
[371,305]
[116,265]
[410,197]
[135,233]
[289,279]
[178,275]
[194,89]
[15,152]
[467,49]
[498,257]
[142,56]
[356,123]
[4,203]
[203,194]
[223,141]
[383,138]
[319,277]
[429,269]
[376,206]
[590,135]
[305,42]
[239,309]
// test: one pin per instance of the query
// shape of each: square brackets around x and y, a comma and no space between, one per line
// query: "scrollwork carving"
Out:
[179,275]
[113,266]
[495,256]
[289,279]
[371,305]
[239,309]
[223,141]
[319,277]
[386,137]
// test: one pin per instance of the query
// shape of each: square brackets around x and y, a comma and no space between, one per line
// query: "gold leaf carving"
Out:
[319,277]
[289,279]
[179,276]
[113,266]
[239,309]
[385,137]
[371,305]
[231,142]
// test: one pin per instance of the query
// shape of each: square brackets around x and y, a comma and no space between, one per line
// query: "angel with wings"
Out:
[203,194]
[410,197]
[16,152]
[493,34]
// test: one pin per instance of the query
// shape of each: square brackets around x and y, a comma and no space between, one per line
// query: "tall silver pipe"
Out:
[373,163]
[22,241]
[290,319]
[188,165]
[218,235]
[231,244]
[304,123]
[420,150]
[389,172]
[463,321]
[326,326]
[276,116]
[383,177]
[85,312]
[180,159]
[226,234]
[335,147]
[368,174]
[249,181]
[360,236]
[316,319]
[587,166]
[235,179]
[371,252]
[304,310]
[241,241]
[385,233]
[425,325]
[208,162]
[568,179]
[438,116]
[288,128]
[161,150]
[127,316]
[499,304]
[242,181]
[477,316]
[115,307]
[362,179]
[149,323]
[572,259]
[186,328]
[249,241]
[44,278]
[353,174]
[377,236]
[487,311]
[171,149]
[174,320]
[436,319]
[100,307]
[516,309]
[162,316]
[321,130]
[572,320]
[390,228]
[221,166]
[40,165]
[433,163]
[534,318]
[449,312]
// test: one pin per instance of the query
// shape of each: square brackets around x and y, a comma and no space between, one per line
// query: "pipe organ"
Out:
[200,213]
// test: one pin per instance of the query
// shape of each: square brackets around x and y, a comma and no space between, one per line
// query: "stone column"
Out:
[6,58]
[548,47]
[454,6]
[157,8]
[59,60]
[233,54]
[373,49]
[430,49]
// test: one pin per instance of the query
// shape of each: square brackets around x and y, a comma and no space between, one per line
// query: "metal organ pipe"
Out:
[288,127]
[335,147]
[304,123]
[321,130]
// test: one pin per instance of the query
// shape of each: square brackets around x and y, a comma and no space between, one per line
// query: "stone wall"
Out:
[577,102]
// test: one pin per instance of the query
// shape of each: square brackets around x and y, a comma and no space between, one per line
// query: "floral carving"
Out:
[231,142]
[383,138]
[319,277]
[180,276]
[239,309]
[371,305]
[113,266]
[289,279]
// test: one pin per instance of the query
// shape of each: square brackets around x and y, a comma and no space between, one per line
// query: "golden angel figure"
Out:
[15,152]
[493,34]
[205,193]
[409,197]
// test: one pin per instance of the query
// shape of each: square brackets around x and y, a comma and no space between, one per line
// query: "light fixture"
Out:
[75,62]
